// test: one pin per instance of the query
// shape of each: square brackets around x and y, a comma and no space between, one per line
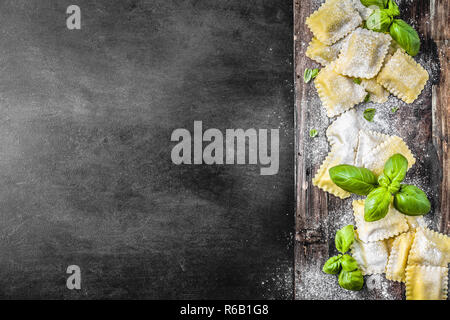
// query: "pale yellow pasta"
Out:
[391,225]
[398,257]
[367,141]
[371,256]
[322,178]
[376,159]
[426,282]
[337,93]
[333,20]
[322,53]
[403,77]
[377,93]
[363,53]
[430,248]
[344,130]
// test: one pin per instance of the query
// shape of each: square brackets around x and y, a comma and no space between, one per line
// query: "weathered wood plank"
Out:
[424,125]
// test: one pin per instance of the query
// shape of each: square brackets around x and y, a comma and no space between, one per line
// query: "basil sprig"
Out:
[408,199]
[350,277]
[382,20]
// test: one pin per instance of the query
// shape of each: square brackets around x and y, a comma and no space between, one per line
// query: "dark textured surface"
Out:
[85,170]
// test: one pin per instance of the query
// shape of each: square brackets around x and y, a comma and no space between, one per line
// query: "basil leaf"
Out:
[395,168]
[394,109]
[353,179]
[392,8]
[367,98]
[405,36]
[351,280]
[333,265]
[357,80]
[379,21]
[344,238]
[411,201]
[313,133]
[394,187]
[310,74]
[379,3]
[384,181]
[349,263]
[376,205]
[369,114]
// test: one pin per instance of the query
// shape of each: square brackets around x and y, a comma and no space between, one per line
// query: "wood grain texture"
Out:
[424,126]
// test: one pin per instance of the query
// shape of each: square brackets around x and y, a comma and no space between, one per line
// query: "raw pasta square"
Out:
[337,93]
[322,53]
[426,283]
[367,141]
[391,225]
[377,93]
[363,53]
[430,248]
[376,159]
[322,178]
[398,257]
[371,256]
[333,20]
[344,130]
[403,77]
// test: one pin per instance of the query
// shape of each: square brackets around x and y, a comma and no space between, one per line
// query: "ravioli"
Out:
[333,20]
[430,248]
[398,257]
[403,77]
[377,93]
[367,141]
[362,54]
[391,225]
[376,159]
[337,93]
[322,53]
[426,283]
[371,256]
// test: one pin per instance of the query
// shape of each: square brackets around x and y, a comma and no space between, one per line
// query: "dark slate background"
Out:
[85,170]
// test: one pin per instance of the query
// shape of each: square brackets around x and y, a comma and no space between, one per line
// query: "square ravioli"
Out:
[371,257]
[390,226]
[333,20]
[376,158]
[322,53]
[398,257]
[337,93]
[430,248]
[363,53]
[403,77]
[426,283]
[322,178]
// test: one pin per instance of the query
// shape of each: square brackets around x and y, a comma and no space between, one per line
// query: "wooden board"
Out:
[423,125]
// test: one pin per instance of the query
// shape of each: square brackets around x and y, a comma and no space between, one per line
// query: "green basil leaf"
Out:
[333,265]
[405,36]
[313,133]
[379,3]
[379,21]
[310,74]
[411,201]
[395,168]
[351,280]
[349,263]
[392,8]
[369,114]
[384,181]
[394,109]
[367,98]
[394,187]
[353,179]
[344,238]
[376,205]
[357,80]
